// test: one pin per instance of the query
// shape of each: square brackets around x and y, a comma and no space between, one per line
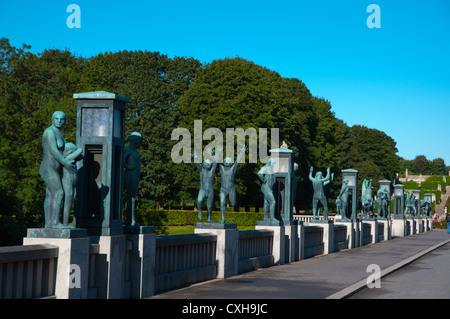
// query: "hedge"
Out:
[157,217]
[433,185]
[411,185]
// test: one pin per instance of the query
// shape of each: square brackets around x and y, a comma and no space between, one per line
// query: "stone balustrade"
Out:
[141,265]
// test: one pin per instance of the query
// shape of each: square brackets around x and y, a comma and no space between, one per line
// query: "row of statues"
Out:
[59,172]
[383,200]
[227,187]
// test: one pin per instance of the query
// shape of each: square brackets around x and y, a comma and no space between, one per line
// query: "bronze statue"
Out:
[411,204]
[366,198]
[342,200]
[53,145]
[207,172]
[319,197]
[69,179]
[383,201]
[227,174]
[267,176]
[132,163]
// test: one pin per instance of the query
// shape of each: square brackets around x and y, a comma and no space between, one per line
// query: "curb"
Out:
[352,289]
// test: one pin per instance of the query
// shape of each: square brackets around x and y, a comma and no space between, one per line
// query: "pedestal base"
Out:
[227,247]
[328,233]
[399,227]
[211,225]
[270,222]
[279,241]
[72,265]
[352,231]
[321,221]
[56,232]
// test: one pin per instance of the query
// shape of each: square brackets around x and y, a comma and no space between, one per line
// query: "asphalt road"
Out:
[426,278]
[340,274]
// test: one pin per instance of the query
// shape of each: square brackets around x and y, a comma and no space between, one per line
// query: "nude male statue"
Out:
[227,174]
[319,197]
[207,172]
[132,163]
[267,176]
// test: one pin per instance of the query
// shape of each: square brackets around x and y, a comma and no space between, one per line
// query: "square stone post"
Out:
[73,262]
[412,223]
[227,248]
[399,227]
[351,231]
[110,266]
[291,242]
[142,262]
[328,234]
[386,227]
[373,228]
[301,240]
[419,226]
[279,242]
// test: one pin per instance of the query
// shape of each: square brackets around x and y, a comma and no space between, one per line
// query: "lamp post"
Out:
[100,133]
[399,201]
[352,176]
[284,190]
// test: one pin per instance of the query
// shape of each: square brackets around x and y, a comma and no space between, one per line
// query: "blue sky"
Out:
[394,78]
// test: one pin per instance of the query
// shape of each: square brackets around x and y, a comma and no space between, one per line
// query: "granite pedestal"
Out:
[227,252]
[73,259]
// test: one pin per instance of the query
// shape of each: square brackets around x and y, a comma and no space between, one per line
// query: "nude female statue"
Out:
[53,145]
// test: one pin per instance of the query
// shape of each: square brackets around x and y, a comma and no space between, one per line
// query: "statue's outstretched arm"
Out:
[239,157]
[199,166]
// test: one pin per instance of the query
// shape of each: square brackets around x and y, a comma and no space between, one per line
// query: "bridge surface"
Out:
[334,276]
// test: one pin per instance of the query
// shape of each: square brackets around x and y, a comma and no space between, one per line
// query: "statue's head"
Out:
[227,161]
[59,119]
[295,167]
[69,148]
[345,181]
[207,164]
[135,138]
[319,174]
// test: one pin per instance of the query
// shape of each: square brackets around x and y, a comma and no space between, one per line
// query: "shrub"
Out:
[432,185]
[162,218]
[411,185]
[440,224]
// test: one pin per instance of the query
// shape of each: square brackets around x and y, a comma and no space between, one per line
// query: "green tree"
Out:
[438,167]
[370,151]
[153,83]
[236,93]
[33,86]
[421,165]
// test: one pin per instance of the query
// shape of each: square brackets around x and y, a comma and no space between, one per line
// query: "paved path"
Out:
[336,275]
[439,208]
[426,278]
